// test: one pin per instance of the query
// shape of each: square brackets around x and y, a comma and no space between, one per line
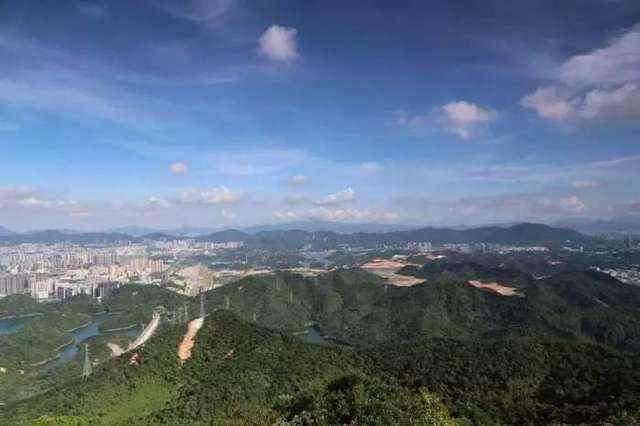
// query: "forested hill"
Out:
[525,233]
[240,374]
[359,308]
[243,374]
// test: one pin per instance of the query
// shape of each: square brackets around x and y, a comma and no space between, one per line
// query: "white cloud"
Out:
[298,179]
[285,215]
[323,213]
[585,184]
[157,202]
[369,167]
[25,196]
[80,212]
[338,197]
[217,195]
[622,102]
[598,85]
[178,168]
[461,118]
[227,214]
[549,104]
[572,204]
[279,43]
[618,62]
[195,10]
[405,119]
[464,118]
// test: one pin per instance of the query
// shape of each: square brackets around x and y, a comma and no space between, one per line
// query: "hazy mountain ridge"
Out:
[615,227]
[4,231]
[295,239]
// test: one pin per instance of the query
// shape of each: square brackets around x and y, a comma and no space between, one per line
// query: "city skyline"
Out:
[229,113]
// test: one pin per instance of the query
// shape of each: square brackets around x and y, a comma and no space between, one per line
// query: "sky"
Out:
[230,113]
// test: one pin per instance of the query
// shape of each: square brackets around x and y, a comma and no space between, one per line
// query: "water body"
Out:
[12,325]
[82,334]
[312,335]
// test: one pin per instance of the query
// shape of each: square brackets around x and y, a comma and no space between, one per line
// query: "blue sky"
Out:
[227,113]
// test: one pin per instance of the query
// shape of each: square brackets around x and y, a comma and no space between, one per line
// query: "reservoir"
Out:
[84,333]
[13,325]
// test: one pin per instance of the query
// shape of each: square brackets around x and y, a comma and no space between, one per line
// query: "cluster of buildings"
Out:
[627,276]
[58,271]
[41,287]
[426,246]
[189,247]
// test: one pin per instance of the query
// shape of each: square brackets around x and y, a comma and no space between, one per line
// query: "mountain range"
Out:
[524,233]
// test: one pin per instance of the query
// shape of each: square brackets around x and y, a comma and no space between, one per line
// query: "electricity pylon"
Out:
[86,368]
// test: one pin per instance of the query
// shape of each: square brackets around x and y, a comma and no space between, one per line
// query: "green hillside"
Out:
[357,307]
[239,374]
[521,381]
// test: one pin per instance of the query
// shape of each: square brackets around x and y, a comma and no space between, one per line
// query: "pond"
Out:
[312,335]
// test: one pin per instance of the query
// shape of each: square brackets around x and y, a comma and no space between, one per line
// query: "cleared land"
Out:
[494,287]
[388,269]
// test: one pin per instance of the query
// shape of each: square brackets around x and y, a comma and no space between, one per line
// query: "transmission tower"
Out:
[227,302]
[86,368]
[202,311]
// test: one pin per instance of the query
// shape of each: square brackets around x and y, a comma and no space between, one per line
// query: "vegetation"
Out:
[133,304]
[564,350]
[239,373]
[32,345]
[358,308]
[16,305]
[520,381]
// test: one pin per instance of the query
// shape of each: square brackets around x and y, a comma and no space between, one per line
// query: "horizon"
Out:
[316,226]
[226,114]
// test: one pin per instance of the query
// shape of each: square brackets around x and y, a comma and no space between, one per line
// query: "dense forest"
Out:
[359,308]
[562,349]
[240,374]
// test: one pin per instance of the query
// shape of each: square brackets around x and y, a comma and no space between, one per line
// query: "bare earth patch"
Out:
[116,350]
[184,349]
[494,287]
[387,269]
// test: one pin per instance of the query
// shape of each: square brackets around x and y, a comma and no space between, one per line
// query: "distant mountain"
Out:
[189,231]
[338,227]
[620,226]
[4,231]
[55,236]
[183,231]
[134,231]
[524,233]
[227,236]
